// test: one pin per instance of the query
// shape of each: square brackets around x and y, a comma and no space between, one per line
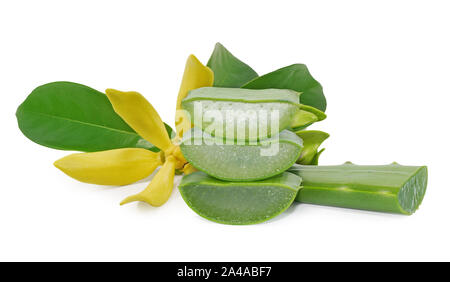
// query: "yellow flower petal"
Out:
[188,169]
[112,167]
[195,75]
[141,116]
[159,189]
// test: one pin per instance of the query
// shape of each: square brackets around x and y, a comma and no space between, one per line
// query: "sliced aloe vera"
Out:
[241,113]
[239,202]
[306,116]
[246,161]
[386,188]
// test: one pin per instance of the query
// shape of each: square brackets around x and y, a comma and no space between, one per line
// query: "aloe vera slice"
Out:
[239,202]
[386,188]
[241,113]
[231,160]
[306,116]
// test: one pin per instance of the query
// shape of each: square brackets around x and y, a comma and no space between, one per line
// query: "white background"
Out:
[384,66]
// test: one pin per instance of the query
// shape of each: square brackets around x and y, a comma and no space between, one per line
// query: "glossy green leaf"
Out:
[228,70]
[311,143]
[239,202]
[241,162]
[295,77]
[71,116]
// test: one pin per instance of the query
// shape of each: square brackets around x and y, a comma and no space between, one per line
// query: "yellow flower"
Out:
[128,165]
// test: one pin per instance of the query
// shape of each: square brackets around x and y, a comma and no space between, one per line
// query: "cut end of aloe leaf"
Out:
[230,160]
[239,203]
[412,192]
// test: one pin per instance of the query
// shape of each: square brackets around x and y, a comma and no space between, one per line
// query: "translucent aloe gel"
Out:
[227,160]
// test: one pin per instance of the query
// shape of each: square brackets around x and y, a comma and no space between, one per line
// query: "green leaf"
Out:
[228,70]
[71,116]
[311,143]
[295,77]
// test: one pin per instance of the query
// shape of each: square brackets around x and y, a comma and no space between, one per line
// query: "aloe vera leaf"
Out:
[295,77]
[315,160]
[239,202]
[302,120]
[228,70]
[229,160]
[306,116]
[70,116]
[241,107]
[312,139]
[385,188]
